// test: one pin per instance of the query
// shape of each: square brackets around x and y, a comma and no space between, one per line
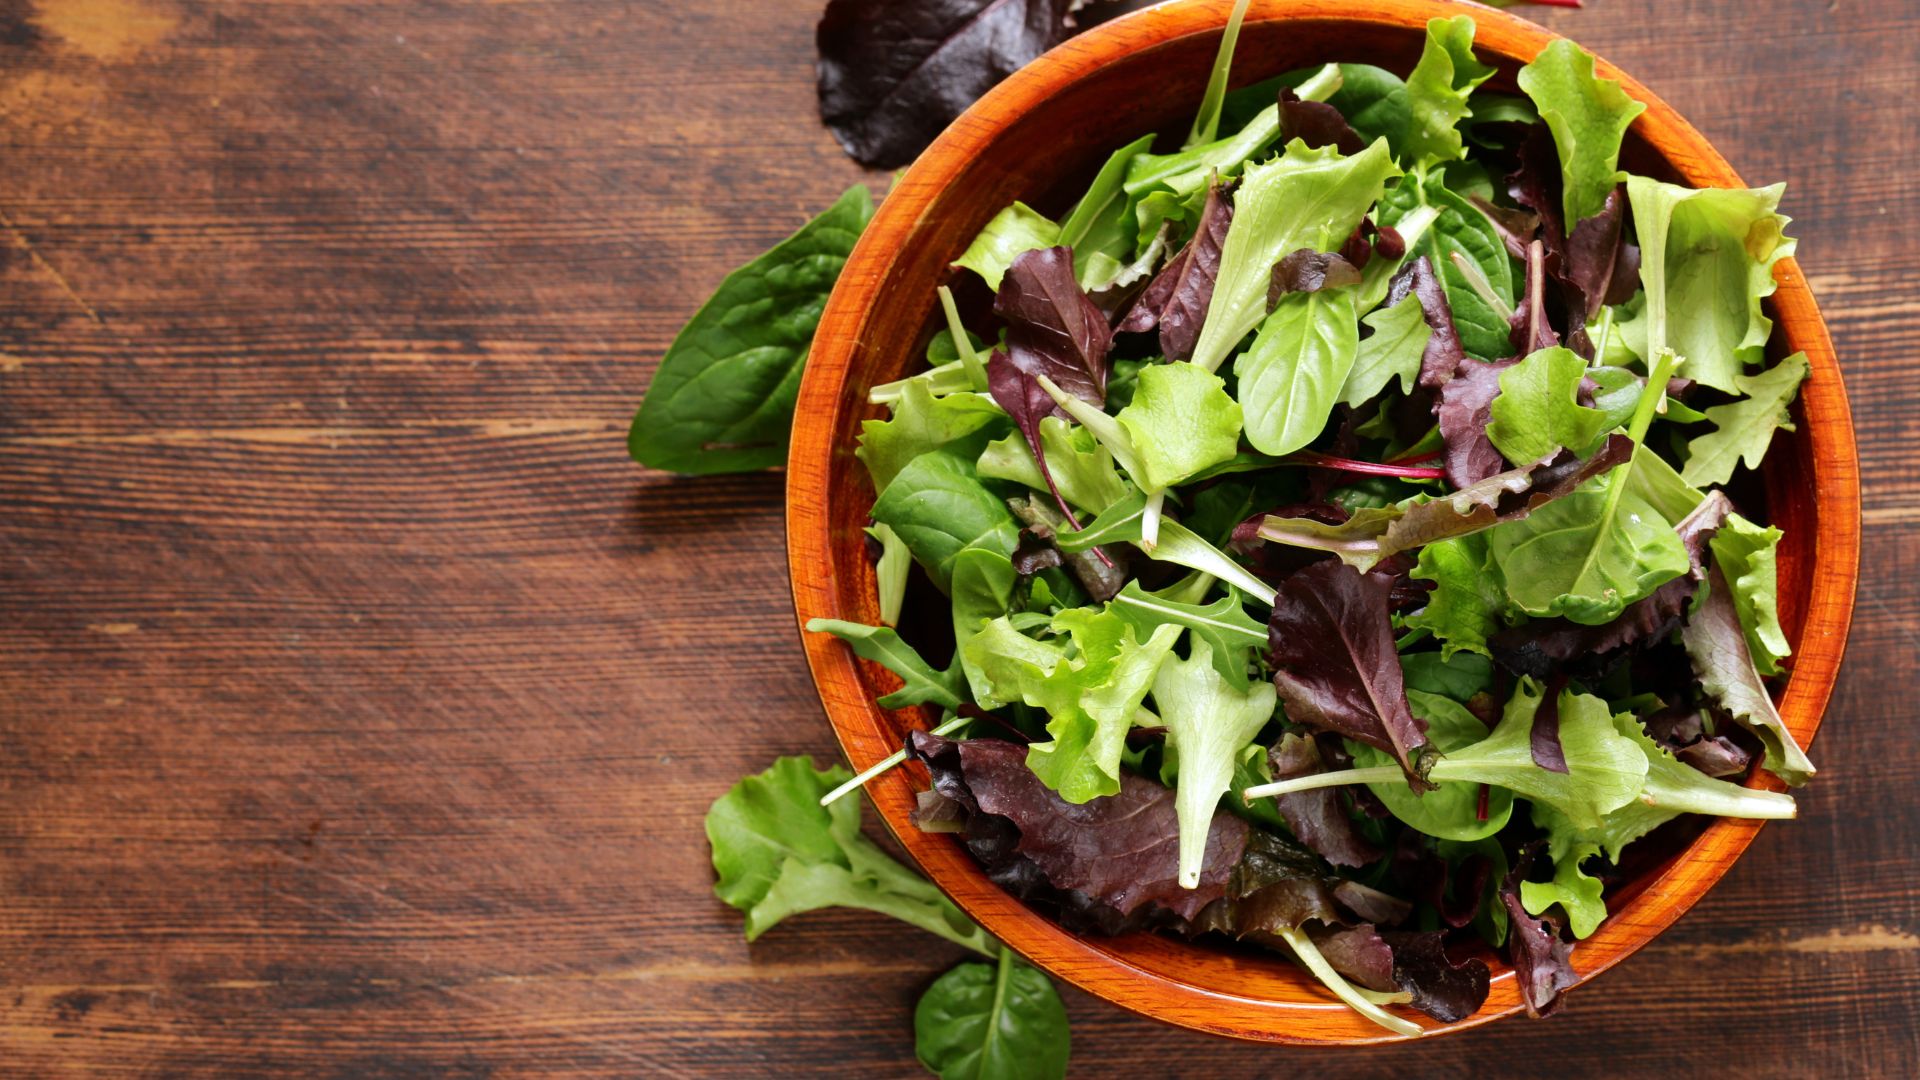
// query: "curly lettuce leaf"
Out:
[1180,421]
[1717,644]
[1744,429]
[1745,553]
[1538,409]
[921,423]
[1437,92]
[1079,464]
[1588,116]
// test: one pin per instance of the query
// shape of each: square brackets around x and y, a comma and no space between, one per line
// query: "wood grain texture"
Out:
[360,701]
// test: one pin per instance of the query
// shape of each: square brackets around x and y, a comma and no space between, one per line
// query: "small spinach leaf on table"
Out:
[1001,1021]
[722,399]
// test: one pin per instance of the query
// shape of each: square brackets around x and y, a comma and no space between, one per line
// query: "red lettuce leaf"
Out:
[1317,124]
[1442,989]
[1684,732]
[1543,739]
[1529,329]
[1443,354]
[1464,408]
[1177,299]
[1317,817]
[1534,945]
[1593,264]
[1307,270]
[1335,666]
[894,75]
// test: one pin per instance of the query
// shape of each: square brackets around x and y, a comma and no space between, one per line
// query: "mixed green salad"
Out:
[1333,539]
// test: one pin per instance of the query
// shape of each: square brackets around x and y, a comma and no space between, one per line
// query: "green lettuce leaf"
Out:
[1437,92]
[1392,351]
[1538,409]
[1082,467]
[1458,228]
[1209,722]
[1006,661]
[1588,117]
[1016,229]
[1223,626]
[1588,555]
[1100,228]
[1464,608]
[722,398]
[1745,553]
[1706,259]
[1576,891]
[1605,770]
[778,852]
[1744,429]
[922,422]
[1180,421]
[1305,198]
[1717,645]
[1292,376]
[1090,701]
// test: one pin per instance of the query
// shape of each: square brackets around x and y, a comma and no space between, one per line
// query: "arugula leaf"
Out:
[778,852]
[1538,408]
[892,76]
[1717,645]
[1745,553]
[1180,422]
[1292,376]
[921,423]
[1002,1021]
[722,398]
[883,646]
[1209,721]
[1304,198]
[1464,608]
[1744,429]
[890,572]
[1706,259]
[1588,117]
[1394,349]
[1018,228]
[1223,626]
[1450,811]
[1090,701]
[937,507]
[1082,467]
[1437,92]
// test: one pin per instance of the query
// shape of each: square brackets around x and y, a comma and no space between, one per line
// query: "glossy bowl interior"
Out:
[1037,137]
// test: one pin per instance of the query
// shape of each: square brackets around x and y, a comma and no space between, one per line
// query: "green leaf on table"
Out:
[1743,429]
[883,646]
[1392,351]
[1223,626]
[1717,645]
[1450,811]
[722,398]
[1082,467]
[1588,117]
[1209,721]
[1180,421]
[1437,92]
[1706,259]
[1458,228]
[1090,702]
[921,423]
[778,852]
[1016,229]
[1587,556]
[1305,198]
[1001,1021]
[1538,409]
[1467,600]
[937,506]
[1293,375]
[1605,770]
[1745,553]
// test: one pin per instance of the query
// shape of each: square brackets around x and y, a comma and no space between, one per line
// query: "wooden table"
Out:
[360,700]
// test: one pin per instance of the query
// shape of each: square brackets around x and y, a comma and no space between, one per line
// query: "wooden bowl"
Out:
[1037,137]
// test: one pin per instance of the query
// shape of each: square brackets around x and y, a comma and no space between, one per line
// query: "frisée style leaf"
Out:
[1744,429]
[721,400]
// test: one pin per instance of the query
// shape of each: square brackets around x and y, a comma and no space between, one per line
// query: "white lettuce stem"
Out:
[1309,954]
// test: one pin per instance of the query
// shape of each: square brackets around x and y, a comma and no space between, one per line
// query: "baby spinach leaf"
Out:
[1743,429]
[1588,117]
[1450,811]
[999,1021]
[778,852]
[1180,422]
[1459,229]
[937,507]
[1437,92]
[1464,608]
[1304,198]
[882,646]
[1209,721]
[1393,350]
[893,76]
[962,422]
[1292,376]
[1717,645]
[1019,228]
[1745,554]
[722,398]
[1223,626]
[1374,101]
[1706,259]
[1334,661]
[1082,467]
[1538,408]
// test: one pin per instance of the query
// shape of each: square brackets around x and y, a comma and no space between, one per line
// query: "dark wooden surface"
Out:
[360,700]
